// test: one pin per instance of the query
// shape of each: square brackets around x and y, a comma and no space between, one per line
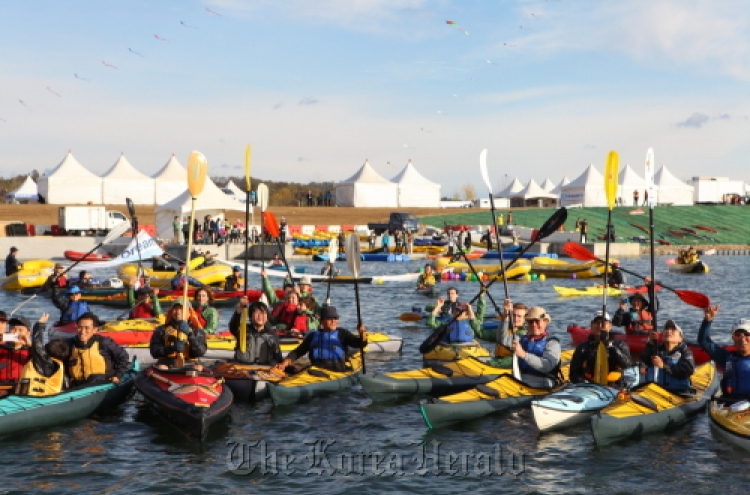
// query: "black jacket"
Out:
[11,264]
[584,358]
[262,346]
[160,350]
[685,364]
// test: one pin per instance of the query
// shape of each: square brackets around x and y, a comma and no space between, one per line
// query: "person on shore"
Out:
[637,321]
[467,241]
[71,307]
[176,341]
[670,363]
[235,281]
[645,197]
[15,350]
[582,365]
[143,303]
[513,322]
[44,373]
[426,279]
[635,197]
[329,346]
[735,383]
[584,230]
[385,240]
[342,242]
[176,228]
[282,230]
[57,279]
[262,345]
[451,244]
[465,325]
[94,359]
[538,355]
[371,240]
[11,262]
[205,312]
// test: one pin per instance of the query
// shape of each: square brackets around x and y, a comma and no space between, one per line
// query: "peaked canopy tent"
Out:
[558,189]
[238,193]
[548,185]
[367,188]
[586,190]
[124,181]
[628,182]
[511,189]
[671,190]
[169,182]
[70,183]
[212,201]
[414,190]
[27,192]
[533,195]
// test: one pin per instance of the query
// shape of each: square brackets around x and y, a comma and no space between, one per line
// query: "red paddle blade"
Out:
[270,224]
[694,298]
[575,250]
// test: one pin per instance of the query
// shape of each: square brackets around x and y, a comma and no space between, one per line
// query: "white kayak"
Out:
[573,405]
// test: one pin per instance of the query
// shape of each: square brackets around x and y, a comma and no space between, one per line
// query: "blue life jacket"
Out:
[460,331]
[74,311]
[326,346]
[665,379]
[535,347]
[736,379]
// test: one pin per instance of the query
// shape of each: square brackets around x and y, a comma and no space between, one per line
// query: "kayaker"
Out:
[426,279]
[84,280]
[11,263]
[235,281]
[329,270]
[270,292]
[44,374]
[57,279]
[450,303]
[466,325]
[691,256]
[70,307]
[617,277]
[179,280]
[177,338]
[262,343]
[145,306]
[538,354]
[670,363]
[512,322]
[276,261]
[305,290]
[206,313]
[735,383]
[330,345]
[15,350]
[583,363]
[94,359]
[637,321]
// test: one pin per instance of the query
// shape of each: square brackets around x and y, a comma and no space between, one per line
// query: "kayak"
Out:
[209,275]
[33,273]
[247,381]
[455,351]
[341,279]
[222,299]
[314,382]
[437,379]
[707,229]
[555,268]
[518,270]
[697,267]
[428,291]
[597,290]
[190,400]
[81,256]
[650,408]
[731,423]
[23,413]
[637,343]
[572,405]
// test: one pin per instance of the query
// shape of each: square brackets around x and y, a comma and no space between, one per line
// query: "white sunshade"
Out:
[70,183]
[123,181]
[585,190]
[27,190]
[671,190]
[510,189]
[170,181]
[414,190]
[367,188]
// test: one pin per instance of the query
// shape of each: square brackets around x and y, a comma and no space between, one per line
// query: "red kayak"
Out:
[708,229]
[640,227]
[637,343]
[677,233]
[686,229]
[79,256]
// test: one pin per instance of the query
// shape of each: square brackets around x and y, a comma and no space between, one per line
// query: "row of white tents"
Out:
[408,189]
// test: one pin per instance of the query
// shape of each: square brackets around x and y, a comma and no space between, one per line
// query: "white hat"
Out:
[741,324]
[671,323]
[305,280]
[599,314]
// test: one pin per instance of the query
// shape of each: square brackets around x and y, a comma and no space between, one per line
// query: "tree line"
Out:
[282,193]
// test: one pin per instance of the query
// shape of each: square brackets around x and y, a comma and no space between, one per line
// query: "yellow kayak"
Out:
[556,268]
[731,423]
[519,269]
[210,275]
[33,273]
[586,291]
[456,351]
[313,382]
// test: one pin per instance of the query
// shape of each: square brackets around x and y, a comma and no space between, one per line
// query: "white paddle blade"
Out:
[333,249]
[263,197]
[353,256]
[117,231]
[483,169]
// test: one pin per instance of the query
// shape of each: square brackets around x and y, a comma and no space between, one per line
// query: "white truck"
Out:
[88,220]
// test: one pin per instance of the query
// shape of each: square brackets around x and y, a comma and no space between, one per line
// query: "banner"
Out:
[149,248]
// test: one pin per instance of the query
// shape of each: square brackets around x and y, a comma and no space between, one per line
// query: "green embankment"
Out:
[731,222]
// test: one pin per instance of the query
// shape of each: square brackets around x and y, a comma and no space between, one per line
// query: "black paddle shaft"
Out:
[481,283]
[134,227]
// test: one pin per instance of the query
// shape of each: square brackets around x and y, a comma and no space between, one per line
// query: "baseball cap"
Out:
[58,266]
[74,290]
[741,324]
[672,324]
[19,320]
[236,268]
[329,313]
[538,313]
[599,314]
[305,280]
[13,248]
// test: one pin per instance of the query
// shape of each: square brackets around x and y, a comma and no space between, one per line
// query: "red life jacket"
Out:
[142,311]
[285,313]
[300,323]
[62,282]
[16,359]
[199,315]
[645,323]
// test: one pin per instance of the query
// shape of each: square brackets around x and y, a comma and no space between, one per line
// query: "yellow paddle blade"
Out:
[610,177]
[248,150]
[601,365]
[410,317]
[197,170]
[243,331]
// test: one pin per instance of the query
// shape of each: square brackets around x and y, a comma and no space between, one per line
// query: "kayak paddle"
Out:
[248,188]
[134,229]
[263,202]
[651,193]
[575,250]
[272,227]
[486,178]
[333,250]
[610,188]
[354,261]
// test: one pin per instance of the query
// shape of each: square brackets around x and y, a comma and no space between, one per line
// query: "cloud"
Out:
[308,101]
[696,120]
[723,116]
[278,105]
[303,159]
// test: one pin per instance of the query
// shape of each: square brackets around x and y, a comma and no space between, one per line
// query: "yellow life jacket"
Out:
[86,362]
[40,385]
[171,337]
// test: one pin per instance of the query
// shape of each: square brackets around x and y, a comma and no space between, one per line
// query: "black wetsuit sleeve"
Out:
[42,362]
[60,302]
[234,324]
[618,353]
[117,355]
[302,349]
[156,346]
[198,345]
[684,367]
[621,318]
[350,340]
[577,371]
[648,352]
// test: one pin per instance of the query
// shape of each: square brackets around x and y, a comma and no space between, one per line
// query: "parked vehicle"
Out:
[88,220]
[397,221]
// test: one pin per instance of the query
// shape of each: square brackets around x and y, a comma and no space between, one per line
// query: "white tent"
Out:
[26,192]
[558,189]
[367,188]
[70,183]
[548,185]
[212,201]
[671,190]
[628,182]
[532,194]
[586,190]
[238,193]
[169,182]
[414,190]
[510,189]
[124,181]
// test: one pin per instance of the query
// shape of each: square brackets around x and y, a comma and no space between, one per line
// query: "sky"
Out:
[318,87]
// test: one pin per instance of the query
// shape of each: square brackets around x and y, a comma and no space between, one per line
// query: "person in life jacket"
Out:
[736,380]
[235,281]
[450,303]
[538,355]
[584,357]
[57,279]
[276,261]
[206,313]
[671,362]
[465,325]
[144,302]
[179,280]
[15,349]
[94,359]
[639,320]
[426,278]
[617,277]
[176,338]
[44,374]
[294,317]
[85,281]
[305,290]
[262,344]
[512,322]
[330,345]
[70,307]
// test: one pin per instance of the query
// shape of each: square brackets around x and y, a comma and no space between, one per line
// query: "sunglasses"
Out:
[741,333]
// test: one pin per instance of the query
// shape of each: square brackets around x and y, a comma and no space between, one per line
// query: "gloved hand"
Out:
[180,346]
[185,328]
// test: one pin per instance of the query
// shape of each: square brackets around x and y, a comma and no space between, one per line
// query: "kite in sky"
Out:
[160,38]
[452,23]
[81,78]
[212,12]
[3,120]
[51,91]
[188,25]
[108,65]
[24,104]
[133,51]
